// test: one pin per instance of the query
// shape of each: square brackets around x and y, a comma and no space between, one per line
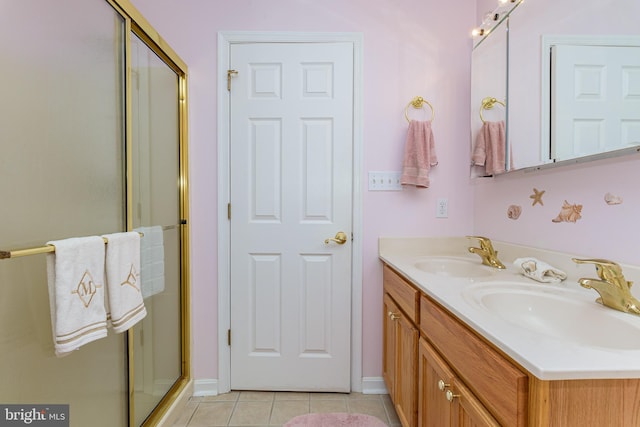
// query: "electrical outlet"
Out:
[384,181]
[442,209]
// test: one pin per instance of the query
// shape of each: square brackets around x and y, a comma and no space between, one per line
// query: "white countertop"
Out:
[543,355]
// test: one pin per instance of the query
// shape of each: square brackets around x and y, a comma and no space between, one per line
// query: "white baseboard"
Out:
[205,387]
[209,387]
[373,385]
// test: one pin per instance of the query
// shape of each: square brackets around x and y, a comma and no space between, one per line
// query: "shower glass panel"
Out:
[61,157]
[156,212]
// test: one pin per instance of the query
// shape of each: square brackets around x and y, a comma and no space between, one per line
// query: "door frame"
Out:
[225,40]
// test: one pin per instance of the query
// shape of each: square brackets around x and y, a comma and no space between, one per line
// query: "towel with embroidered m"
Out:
[124,291]
[75,275]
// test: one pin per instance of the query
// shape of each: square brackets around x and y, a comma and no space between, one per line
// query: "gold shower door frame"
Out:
[136,24]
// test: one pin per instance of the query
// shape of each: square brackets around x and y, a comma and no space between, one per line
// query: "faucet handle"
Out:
[483,240]
[599,262]
[594,261]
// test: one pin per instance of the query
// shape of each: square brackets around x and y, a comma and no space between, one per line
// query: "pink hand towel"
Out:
[490,148]
[419,154]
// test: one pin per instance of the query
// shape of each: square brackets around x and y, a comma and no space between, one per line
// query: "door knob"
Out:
[341,238]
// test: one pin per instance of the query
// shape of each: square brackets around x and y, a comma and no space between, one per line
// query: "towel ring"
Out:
[418,103]
[487,104]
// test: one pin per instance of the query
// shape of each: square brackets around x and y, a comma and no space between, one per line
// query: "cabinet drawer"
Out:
[404,294]
[500,386]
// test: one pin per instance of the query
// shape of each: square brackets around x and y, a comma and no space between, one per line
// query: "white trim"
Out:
[374,385]
[225,39]
[205,387]
[224,294]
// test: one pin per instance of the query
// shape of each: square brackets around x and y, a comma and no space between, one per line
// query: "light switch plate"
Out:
[384,181]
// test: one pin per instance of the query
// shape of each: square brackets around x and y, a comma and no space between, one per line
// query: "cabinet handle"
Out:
[393,316]
[451,396]
[442,385]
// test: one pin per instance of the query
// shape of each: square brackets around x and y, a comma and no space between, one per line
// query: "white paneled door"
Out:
[595,99]
[291,189]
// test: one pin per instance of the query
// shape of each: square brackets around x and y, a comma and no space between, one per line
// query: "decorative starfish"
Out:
[537,197]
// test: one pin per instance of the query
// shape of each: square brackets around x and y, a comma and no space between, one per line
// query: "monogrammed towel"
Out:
[124,290]
[75,275]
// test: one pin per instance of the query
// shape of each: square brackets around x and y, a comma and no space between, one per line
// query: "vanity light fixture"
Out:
[491,19]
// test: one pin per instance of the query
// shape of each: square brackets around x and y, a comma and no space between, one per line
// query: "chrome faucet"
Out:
[486,252]
[614,289]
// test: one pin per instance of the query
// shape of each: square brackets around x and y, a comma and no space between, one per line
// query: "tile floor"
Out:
[265,408]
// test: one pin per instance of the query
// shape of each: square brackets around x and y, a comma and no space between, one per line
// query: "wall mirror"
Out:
[489,93]
[574,81]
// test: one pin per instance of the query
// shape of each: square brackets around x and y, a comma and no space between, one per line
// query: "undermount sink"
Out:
[557,313]
[452,267]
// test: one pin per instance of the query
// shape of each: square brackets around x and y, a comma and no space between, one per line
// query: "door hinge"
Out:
[230,73]
[229,210]
[229,337]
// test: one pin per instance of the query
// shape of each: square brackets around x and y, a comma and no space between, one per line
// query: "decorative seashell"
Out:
[612,199]
[514,212]
[569,213]
[537,197]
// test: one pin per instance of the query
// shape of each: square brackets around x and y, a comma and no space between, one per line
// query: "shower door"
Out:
[62,167]
[92,131]
[157,212]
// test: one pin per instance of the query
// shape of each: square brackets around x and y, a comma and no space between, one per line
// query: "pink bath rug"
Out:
[337,419]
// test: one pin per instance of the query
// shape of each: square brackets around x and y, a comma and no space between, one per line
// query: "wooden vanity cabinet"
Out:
[488,389]
[400,342]
[413,366]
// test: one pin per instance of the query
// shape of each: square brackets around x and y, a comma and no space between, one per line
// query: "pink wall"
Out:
[422,49]
[604,231]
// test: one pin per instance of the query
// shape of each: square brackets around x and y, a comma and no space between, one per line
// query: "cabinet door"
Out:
[444,399]
[407,372]
[389,345]
[468,411]
[400,361]
[434,408]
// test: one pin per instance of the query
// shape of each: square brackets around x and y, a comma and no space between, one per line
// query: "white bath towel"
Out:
[539,270]
[124,291]
[75,274]
[152,260]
